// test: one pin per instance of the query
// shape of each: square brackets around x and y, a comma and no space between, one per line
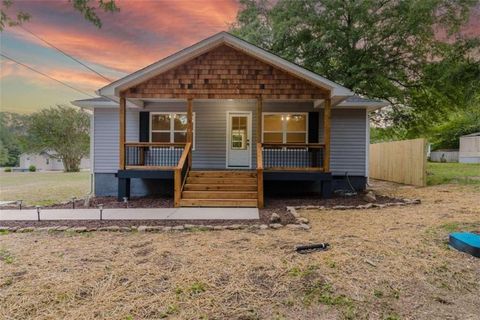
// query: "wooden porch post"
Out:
[122,130]
[326,133]
[259,119]
[190,126]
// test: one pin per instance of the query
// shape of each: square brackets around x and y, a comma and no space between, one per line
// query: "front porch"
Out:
[194,187]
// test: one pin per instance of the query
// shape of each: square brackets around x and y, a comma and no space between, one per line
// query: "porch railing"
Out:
[293,156]
[176,157]
[154,155]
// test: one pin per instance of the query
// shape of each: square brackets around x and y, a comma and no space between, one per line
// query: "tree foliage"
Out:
[12,129]
[63,130]
[88,8]
[386,49]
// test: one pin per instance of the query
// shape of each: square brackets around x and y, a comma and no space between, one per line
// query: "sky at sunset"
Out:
[143,32]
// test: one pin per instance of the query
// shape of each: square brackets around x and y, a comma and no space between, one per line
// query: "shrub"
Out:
[32,168]
[8,170]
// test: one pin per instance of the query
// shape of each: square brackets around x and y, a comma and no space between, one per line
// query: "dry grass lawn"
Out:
[388,263]
[43,188]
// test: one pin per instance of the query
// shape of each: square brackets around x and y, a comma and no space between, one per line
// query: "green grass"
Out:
[461,173]
[43,188]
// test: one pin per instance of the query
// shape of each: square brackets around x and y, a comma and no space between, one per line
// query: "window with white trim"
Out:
[170,127]
[285,127]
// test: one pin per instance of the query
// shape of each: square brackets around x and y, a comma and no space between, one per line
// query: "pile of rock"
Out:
[403,202]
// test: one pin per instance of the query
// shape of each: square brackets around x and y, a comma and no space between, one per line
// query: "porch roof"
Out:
[112,90]
[355,102]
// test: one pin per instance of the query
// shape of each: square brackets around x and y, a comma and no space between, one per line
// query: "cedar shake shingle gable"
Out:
[225,72]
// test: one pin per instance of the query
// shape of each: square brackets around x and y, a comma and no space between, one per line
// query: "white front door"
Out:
[239,132]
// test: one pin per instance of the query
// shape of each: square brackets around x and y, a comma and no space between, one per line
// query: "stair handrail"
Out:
[260,200]
[178,181]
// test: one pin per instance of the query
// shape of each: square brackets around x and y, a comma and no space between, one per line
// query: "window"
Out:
[170,127]
[285,127]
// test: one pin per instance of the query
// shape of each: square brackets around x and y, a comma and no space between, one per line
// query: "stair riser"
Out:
[220,174]
[206,187]
[218,195]
[217,203]
[239,181]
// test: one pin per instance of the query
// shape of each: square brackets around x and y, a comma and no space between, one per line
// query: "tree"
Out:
[82,6]
[12,130]
[64,131]
[386,49]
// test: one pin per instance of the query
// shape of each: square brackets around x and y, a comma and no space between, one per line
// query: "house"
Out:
[470,148]
[224,123]
[444,155]
[47,161]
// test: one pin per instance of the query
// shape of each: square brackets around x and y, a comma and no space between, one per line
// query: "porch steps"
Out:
[220,189]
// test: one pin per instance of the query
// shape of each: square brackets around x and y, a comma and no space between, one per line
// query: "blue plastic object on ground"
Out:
[466,241]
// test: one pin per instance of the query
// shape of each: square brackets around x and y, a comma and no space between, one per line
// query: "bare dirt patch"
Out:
[383,263]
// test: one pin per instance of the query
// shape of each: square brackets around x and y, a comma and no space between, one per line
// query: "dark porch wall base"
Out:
[359,183]
[106,184]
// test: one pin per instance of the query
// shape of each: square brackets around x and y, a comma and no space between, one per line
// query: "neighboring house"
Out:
[444,155]
[223,122]
[46,161]
[470,148]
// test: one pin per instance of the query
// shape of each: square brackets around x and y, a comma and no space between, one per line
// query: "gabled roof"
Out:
[112,90]
[360,102]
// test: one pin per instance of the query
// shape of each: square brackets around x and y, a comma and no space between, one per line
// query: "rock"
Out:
[125,229]
[370,197]
[343,207]
[365,206]
[149,229]
[79,229]
[293,211]
[189,226]
[304,226]
[412,201]
[275,218]
[113,228]
[275,225]
[303,220]
[61,228]
[218,228]
[142,229]
[178,228]
[293,226]
[377,205]
[91,229]
[26,229]
[167,228]
[263,227]
[234,227]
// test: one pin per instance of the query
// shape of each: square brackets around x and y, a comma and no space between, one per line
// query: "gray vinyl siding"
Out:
[348,142]
[106,140]
[348,135]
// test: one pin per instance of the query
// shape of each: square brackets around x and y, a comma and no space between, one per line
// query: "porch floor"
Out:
[133,214]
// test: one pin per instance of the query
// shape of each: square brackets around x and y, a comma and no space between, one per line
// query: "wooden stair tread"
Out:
[220,189]
[204,180]
[222,174]
[218,202]
[219,194]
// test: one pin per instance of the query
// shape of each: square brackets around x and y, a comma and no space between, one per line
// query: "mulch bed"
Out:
[272,204]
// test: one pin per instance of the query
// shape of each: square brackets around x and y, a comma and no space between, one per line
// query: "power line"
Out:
[45,75]
[66,54]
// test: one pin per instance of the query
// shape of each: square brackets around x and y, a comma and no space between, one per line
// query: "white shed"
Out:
[470,148]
